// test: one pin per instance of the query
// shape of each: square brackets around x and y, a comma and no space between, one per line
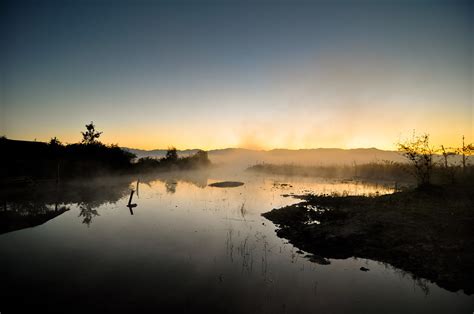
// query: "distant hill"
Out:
[238,157]
[319,156]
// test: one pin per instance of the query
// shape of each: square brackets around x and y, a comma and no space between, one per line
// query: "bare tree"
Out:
[447,152]
[449,171]
[420,154]
[465,151]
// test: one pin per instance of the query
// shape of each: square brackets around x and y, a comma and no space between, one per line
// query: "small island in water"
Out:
[226,184]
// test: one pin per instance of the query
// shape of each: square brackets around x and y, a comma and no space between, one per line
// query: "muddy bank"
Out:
[428,233]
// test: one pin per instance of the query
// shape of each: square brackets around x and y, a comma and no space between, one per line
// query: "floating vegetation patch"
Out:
[226,184]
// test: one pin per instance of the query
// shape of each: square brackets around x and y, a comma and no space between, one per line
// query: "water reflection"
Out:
[131,205]
[27,214]
[87,212]
[172,178]
[171,186]
[33,207]
[197,249]
[30,208]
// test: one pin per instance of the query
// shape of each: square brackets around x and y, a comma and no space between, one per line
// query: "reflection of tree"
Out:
[29,207]
[26,214]
[24,208]
[171,179]
[419,282]
[87,211]
[171,186]
[91,195]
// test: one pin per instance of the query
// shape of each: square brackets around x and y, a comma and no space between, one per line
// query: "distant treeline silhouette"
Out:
[173,162]
[23,160]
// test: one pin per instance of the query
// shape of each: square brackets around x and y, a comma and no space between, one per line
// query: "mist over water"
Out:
[235,156]
[239,158]
[187,245]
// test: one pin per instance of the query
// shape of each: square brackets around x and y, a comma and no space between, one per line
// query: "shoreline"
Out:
[425,232]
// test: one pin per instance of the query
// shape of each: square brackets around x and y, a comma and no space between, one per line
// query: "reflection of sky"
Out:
[219,75]
[198,247]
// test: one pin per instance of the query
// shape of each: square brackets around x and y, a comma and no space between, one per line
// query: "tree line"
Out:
[89,157]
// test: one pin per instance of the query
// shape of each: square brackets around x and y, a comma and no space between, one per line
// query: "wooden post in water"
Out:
[138,183]
[130,205]
[131,196]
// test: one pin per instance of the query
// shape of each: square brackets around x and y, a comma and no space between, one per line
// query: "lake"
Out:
[187,246]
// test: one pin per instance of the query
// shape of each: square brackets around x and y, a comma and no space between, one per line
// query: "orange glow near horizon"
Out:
[354,106]
[265,136]
[259,77]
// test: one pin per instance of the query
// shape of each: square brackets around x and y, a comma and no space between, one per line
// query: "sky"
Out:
[251,74]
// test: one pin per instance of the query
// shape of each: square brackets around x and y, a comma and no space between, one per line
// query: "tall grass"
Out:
[384,170]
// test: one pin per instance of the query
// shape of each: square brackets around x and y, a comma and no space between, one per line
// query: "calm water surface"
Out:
[190,247]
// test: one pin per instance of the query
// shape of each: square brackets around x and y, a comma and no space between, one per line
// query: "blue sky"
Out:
[260,74]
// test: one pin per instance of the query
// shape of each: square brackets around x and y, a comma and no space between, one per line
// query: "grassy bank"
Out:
[426,232]
[383,170]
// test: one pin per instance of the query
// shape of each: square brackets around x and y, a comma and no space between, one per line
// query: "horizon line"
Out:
[212,149]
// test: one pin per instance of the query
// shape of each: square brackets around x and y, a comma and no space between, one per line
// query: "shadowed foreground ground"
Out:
[426,232]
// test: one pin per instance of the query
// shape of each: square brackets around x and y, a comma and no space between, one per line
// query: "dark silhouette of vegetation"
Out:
[90,136]
[465,151]
[449,169]
[423,231]
[446,153]
[171,155]
[226,184]
[23,208]
[96,159]
[27,214]
[173,162]
[24,161]
[420,154]
[425,166]
[55,142]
